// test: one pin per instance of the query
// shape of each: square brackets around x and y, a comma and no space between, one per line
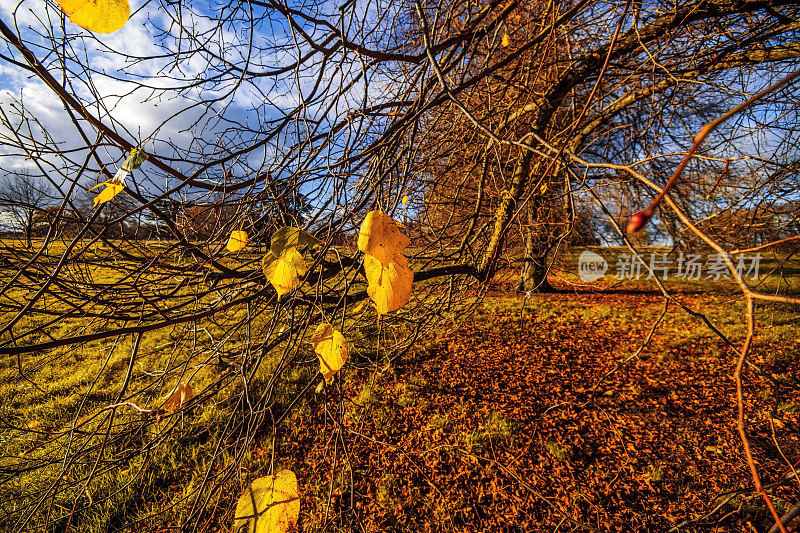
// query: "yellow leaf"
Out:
[388,286]
[543,188]
[179,397]
[237,241]
[285,270]
[405,199]
[381,238]
[331,348]
[289,237]
[269,504]
[101,16]
[111,189]
[506,40]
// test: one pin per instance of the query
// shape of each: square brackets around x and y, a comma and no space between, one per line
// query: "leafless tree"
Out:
[22,197]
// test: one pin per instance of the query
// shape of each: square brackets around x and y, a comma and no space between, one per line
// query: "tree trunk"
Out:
[534,271]
[29,229]
[534,267]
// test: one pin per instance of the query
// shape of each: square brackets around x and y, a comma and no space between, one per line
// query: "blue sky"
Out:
[192,132]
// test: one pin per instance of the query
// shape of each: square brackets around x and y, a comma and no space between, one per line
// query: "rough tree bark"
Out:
[533,277]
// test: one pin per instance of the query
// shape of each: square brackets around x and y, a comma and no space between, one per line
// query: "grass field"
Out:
[507,422]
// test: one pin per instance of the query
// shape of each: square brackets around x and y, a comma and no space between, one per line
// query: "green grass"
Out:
[492,429]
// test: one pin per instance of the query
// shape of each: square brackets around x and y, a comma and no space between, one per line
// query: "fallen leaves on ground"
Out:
[468,434]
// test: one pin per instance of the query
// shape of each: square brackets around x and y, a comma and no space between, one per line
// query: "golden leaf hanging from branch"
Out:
[115,185]
[111,189]
[381,238]
[237,241]
[100,16]
[269,504]
[389,278]
[284,271]
[331,348]
[283,264]
[388,286]
[180,396]
[289,237]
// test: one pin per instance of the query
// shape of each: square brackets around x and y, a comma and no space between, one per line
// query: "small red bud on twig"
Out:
[637,222]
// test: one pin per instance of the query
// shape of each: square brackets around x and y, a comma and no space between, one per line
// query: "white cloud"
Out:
[137,89]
